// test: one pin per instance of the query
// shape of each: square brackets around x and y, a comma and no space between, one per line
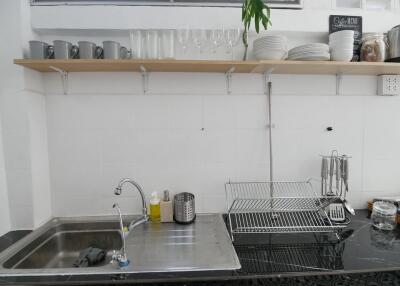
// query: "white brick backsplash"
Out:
[158,139]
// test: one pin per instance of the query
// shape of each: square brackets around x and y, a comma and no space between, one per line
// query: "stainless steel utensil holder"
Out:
[184,208]
[277,207]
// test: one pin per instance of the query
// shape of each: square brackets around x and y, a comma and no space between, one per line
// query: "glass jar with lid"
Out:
[384,215]
[373,48]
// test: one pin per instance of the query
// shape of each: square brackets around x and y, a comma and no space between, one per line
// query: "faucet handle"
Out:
[120,258]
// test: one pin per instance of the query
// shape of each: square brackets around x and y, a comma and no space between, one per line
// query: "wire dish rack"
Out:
[277,207]
[261,259]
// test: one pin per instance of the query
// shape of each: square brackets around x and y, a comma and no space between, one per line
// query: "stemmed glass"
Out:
[231,37]
[183,37]
[200,39]
[216,38]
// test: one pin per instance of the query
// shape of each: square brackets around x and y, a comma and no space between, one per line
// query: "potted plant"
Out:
[260,12]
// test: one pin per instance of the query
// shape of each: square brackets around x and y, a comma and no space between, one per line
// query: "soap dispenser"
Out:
[154,207]
[166,210]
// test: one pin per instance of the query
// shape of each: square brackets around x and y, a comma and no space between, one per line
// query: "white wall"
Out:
[24,123]
[313,18]
[105,130]
[4,207]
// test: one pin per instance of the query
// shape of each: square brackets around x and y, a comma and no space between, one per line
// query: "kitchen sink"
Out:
[151,247]
[60,247]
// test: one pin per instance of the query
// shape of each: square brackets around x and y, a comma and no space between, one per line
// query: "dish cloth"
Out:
[90,257]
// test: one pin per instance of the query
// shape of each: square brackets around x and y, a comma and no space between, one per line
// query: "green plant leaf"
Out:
[257,23]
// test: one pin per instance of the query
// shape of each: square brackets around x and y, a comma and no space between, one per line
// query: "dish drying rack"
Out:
[277,207]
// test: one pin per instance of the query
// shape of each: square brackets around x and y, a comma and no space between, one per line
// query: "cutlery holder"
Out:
[184,208]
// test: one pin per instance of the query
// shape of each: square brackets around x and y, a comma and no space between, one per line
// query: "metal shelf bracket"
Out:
[339,78]
[228,76]
[267,78]
[64,78]
[145,78]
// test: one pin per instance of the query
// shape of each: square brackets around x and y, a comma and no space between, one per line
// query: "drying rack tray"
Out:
[281,222]
[277,207]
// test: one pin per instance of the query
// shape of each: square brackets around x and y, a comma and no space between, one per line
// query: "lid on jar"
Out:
[385,208]
[370,36]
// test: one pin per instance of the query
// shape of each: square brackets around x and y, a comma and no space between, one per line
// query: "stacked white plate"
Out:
[270,48]
[310,52]
[341,45]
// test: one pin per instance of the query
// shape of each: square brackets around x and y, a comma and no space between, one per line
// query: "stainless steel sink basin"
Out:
[59,247]
[152,247]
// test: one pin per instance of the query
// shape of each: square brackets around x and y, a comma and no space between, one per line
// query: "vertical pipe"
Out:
[271,165]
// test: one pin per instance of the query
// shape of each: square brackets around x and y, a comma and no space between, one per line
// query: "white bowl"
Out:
[309,47]
[275,38]
[269,46]
[271,54]
[341,47]
[271,40]
[342,41]
[341,34]
[342,55]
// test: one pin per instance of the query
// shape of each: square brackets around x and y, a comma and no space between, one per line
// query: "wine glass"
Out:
[216,38]
[183,37]
[199,37]
[231,37]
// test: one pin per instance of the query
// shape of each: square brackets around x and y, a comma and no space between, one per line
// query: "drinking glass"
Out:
[152,44]
[199,39]
[137,42]
[216,38]
[231,37]
[183,37]
[167,46]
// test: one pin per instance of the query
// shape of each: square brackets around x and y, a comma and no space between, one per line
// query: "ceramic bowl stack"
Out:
[310,52]
[270,48]
[341,45]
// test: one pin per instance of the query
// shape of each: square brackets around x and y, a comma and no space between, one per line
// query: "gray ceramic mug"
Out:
[40,50]
[111,50]
[65,50]
[89,50]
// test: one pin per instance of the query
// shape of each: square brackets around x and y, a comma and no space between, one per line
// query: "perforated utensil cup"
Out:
[184,208]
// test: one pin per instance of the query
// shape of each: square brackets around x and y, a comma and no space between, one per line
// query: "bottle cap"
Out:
[154,199]
[166,196]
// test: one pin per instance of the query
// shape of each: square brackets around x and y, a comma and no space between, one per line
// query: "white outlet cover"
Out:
[389,85]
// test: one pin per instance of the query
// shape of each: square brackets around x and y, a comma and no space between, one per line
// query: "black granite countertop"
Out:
[361,256]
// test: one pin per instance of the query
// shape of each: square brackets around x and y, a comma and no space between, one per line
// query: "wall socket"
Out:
[389,85]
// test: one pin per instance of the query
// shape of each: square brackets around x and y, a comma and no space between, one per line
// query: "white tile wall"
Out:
[5,223]
[107,130]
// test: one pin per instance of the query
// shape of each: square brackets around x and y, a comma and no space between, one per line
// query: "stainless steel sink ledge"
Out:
[151,247]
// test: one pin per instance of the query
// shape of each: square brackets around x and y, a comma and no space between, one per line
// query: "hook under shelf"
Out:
[228,75]
[64,78]
[145,78]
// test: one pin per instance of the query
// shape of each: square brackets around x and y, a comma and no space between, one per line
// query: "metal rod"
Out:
[271,165]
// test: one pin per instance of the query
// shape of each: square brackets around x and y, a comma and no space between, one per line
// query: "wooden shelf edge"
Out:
[213,66]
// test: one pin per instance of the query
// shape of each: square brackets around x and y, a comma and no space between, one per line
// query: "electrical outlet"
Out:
[389,85]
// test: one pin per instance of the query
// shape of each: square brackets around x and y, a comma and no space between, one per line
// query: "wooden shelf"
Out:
[134,65]
[279,67]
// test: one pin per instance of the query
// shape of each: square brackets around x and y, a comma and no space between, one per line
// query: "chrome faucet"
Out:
[144,218]
[121,256]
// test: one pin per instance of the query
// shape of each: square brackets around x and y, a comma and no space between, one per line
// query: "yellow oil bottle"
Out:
[155,207]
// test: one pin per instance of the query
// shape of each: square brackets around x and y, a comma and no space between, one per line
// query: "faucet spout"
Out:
[118,191]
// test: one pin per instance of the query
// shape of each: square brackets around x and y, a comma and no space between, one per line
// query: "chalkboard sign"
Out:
[340,22]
